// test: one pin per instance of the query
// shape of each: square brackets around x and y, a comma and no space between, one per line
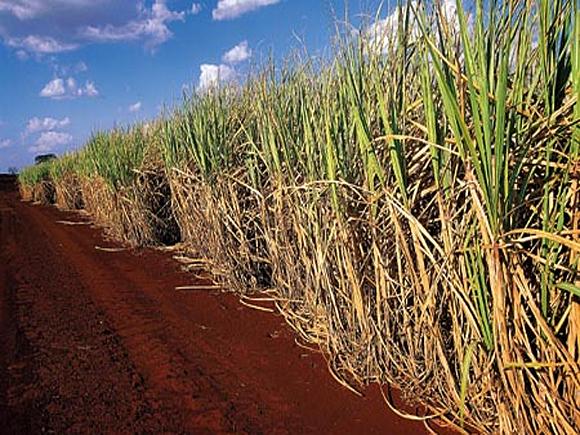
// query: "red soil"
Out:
[101,341]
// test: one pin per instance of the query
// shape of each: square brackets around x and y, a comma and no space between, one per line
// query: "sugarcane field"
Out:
[362,218]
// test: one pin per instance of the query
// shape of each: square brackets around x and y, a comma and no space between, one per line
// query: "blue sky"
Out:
[70,67]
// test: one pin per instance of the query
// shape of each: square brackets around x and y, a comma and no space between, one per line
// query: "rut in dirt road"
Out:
[101,341]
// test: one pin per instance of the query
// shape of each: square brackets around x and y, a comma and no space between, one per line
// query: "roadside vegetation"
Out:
[411,204]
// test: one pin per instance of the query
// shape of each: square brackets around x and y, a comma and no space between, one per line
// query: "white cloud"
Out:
[23,9]
[29,9]
[151,27]
[35,125]
[135,107]
[238,54]
[53,89]
[61,70]
[90,90]
[49,140]
[43,27]
[58,89]
[22,55]
[40,44]
[230,9]
[212,75]
[80,67]
[5,143]
[195,9]
[383,32]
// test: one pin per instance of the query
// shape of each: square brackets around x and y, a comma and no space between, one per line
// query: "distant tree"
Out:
[13,170]
[44,158]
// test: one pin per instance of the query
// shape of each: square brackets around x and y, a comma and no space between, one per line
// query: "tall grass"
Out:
[411,203]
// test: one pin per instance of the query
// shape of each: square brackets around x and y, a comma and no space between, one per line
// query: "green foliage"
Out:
[34,175]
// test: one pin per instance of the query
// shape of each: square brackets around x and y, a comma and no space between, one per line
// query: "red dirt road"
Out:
[95,341]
